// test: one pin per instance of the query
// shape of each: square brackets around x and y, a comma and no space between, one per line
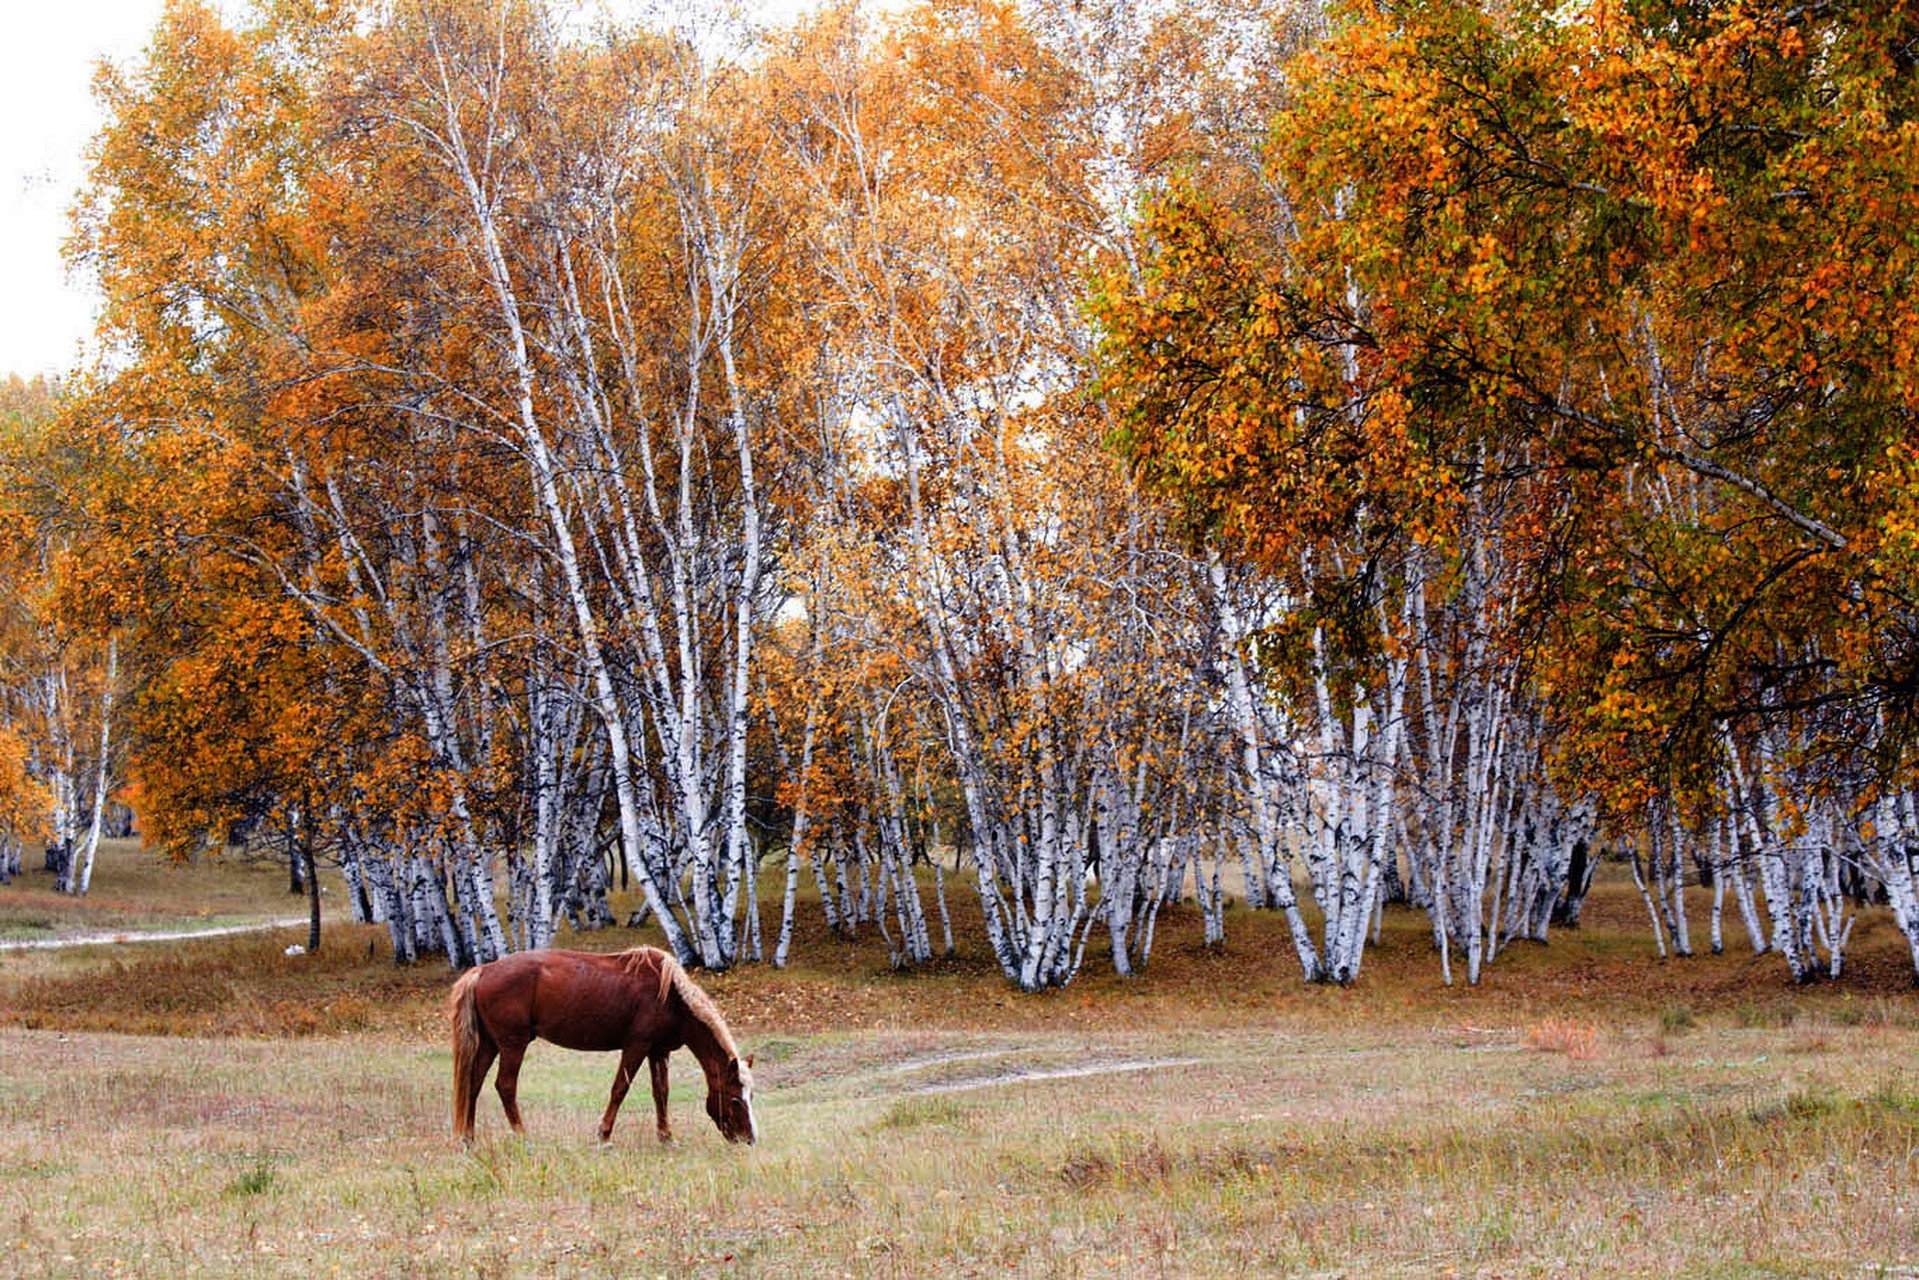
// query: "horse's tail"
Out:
[463,1013]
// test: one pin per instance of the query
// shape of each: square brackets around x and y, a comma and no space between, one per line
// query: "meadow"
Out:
[135,892]
[216,1107]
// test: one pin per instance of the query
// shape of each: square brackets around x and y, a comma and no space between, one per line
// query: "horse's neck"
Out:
[705,1045]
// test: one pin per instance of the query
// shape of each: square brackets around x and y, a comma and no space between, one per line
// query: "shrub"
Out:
[1569,1036]
[256,1179]
[908,1113]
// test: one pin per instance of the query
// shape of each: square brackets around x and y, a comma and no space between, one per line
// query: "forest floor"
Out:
[217,1107]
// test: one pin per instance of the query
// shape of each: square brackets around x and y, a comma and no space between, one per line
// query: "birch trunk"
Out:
[453,147]
[102,765]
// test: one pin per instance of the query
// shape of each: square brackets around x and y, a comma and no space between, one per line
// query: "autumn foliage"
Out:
[1064,451]
[1615,300]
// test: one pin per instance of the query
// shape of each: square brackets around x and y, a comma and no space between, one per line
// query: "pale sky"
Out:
[46,66]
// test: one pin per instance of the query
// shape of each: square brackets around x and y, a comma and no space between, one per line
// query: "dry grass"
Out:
[243,985]
[1604,975]
[1564,1035]
[1391,1153]
[135,890]
[1695,1117]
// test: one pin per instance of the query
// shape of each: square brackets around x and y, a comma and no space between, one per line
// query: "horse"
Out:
[640,1002]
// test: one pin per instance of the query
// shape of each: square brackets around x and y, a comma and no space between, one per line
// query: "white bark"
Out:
[1259,794]
[481,192]
[103,764]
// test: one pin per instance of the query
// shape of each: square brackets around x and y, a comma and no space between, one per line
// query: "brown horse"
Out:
[640,1002]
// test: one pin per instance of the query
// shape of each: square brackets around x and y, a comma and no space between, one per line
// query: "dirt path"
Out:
[1005,1078]
[110,938]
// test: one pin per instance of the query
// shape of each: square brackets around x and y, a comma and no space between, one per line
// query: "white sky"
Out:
[46,67]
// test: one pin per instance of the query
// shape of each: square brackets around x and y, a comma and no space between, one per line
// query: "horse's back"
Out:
[576,999]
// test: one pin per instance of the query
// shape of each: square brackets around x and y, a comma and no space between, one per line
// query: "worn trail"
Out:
[1006,1078]
[114,937]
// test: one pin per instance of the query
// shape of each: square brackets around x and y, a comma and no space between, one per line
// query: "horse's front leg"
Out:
[658,1063]
[622,1081]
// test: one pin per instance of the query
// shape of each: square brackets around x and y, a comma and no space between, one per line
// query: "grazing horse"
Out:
[640,1002]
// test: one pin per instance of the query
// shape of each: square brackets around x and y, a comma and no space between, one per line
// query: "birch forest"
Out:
[988,471]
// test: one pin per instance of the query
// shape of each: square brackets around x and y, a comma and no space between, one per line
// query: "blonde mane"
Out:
[697,1002]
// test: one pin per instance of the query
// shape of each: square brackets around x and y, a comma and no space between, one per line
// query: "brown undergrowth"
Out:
[1603,973]
[243,985]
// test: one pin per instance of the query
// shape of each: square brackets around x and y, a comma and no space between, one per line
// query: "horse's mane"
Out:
[674,977]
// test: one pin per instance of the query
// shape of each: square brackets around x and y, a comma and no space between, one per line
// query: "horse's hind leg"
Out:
[658,1063]
[508,1082]
[622,1081]
[484,1051]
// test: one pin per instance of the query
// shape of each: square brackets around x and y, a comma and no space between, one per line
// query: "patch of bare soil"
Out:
[134,935]
[1006,1078]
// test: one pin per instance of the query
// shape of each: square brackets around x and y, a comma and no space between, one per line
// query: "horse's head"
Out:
[730,1102]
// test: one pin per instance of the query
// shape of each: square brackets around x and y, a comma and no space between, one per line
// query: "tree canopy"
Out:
[1395,452]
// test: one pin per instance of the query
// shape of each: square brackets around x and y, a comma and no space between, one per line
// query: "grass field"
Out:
[216,1107]
[134,891]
